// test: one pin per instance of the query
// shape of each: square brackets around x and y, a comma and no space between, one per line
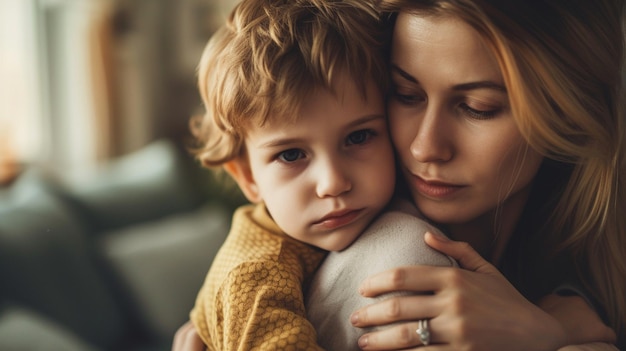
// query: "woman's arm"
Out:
[580,321]
[473,308]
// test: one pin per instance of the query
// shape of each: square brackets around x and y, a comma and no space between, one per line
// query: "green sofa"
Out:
[111,261]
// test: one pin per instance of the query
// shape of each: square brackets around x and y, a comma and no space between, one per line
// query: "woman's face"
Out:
[461,152]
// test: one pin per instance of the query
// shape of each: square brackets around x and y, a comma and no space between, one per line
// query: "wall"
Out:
[109,76]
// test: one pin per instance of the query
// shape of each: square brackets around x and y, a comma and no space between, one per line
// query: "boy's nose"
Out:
[332,180]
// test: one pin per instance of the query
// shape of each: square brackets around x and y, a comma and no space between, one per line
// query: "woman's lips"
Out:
[339,219]
[435,189]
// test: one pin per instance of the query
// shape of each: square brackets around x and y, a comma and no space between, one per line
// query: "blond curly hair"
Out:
[270,55]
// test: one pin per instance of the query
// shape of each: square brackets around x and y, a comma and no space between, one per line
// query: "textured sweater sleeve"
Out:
[252,297]
[262,308]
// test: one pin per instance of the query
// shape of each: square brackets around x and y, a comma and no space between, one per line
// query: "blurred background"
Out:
[83,81]
[107,224]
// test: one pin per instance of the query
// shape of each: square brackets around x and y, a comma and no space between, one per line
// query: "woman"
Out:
[507,121]
[508,126]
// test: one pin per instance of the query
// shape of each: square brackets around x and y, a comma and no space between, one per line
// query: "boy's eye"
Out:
[359,137]
[290,155]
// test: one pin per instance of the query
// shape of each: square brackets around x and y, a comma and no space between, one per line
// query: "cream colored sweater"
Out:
[395,239]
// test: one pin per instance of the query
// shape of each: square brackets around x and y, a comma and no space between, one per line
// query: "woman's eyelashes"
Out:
[466,107]
[406,98]
[480,114]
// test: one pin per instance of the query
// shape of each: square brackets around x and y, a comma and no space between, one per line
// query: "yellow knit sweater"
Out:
[252,297]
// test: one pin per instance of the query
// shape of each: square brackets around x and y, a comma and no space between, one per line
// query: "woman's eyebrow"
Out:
[484,84]
[403,74]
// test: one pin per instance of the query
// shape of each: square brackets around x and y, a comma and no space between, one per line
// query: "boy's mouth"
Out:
[338,218]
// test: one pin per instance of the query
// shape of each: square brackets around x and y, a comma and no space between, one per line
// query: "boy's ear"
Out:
[239,169]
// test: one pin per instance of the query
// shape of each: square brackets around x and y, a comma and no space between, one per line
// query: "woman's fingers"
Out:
[472,307]
[465,306]
[423,279]
[405,336]
[393,310]
[467,257]
[401,336]
[428,278]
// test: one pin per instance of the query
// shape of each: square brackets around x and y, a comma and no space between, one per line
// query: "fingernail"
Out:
[363,340]
[354,318]
[363,287]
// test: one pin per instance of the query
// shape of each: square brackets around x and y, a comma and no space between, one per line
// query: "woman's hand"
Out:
[187,339]
[474,308]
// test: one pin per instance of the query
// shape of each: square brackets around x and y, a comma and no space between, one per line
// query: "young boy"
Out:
[295,114]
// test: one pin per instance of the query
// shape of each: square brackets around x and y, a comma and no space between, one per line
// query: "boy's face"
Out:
[325,177]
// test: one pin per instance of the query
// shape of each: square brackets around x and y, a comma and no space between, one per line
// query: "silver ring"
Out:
[423,331]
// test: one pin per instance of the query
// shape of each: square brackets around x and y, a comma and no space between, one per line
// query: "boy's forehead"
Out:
[285,111]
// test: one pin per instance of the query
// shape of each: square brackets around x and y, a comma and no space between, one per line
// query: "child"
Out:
[296,116]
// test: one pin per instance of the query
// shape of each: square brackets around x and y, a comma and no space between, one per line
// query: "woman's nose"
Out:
[432,139]
[332,179]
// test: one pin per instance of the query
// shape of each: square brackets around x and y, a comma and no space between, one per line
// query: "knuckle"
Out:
[454,277]
[393,310]
[459,305]
[405,336]
[398,278]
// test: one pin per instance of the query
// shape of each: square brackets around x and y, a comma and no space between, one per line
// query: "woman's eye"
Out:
[404,98]
[291,155]
[360,137]
[480,114]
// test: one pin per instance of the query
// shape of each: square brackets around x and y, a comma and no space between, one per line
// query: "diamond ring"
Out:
[423,331]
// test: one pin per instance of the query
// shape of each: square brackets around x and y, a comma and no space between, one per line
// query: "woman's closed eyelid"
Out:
[408,98]
[481,110]
[407,94]
[480,114]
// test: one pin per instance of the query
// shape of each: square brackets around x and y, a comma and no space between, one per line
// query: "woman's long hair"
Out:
[562,62]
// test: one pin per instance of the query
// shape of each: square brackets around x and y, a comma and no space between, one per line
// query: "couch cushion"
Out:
[45,262]
[145,185]
[25,330]
[162,264]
